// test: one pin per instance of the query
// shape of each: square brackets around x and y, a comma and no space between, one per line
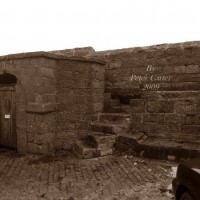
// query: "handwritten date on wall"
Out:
[151,81]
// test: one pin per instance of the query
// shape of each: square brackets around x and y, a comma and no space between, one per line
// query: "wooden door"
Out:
[7,117]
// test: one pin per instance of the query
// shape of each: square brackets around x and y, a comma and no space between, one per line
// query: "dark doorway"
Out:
[8,135]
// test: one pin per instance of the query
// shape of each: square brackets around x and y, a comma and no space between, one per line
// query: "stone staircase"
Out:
[113,131]
[105,128]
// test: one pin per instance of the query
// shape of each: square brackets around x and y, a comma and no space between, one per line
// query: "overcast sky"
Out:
[43,25]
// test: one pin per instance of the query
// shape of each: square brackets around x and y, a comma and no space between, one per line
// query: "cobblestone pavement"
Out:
[66,178]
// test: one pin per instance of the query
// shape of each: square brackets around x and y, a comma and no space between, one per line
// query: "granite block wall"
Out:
[80,95]
[35,102]
[167,79]
[56,98]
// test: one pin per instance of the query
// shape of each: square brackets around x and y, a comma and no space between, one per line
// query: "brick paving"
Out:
[67,178]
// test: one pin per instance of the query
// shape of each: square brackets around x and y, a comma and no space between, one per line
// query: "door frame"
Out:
[12,124]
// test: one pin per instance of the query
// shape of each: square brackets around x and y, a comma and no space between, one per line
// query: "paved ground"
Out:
[66,178]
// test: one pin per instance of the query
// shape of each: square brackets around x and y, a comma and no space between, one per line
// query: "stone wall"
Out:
[169,67]
[57,96]
[80,95]
[36,100]
[164,81]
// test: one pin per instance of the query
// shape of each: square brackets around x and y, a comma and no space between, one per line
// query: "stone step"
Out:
[121,109]
[104,141]
[164,149]
[110,128]
[83,150]
[140,137]
[105,152]
[157,148]
[115,118]
[108,104]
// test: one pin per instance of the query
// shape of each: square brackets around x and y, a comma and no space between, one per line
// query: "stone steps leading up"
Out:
[105,127]
[95,145]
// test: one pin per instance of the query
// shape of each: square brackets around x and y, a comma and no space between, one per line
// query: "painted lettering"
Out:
[150,68]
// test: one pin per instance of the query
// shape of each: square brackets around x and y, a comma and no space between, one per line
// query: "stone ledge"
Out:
[41,108]
[53,56]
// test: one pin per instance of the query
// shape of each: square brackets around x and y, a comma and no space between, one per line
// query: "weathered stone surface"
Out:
[157,85]
[174,118]
[137,105]
[80,93]
[192,69]
[180,69]
[41,108]
[54,93]
[152,117]
[115,118]
[160,106]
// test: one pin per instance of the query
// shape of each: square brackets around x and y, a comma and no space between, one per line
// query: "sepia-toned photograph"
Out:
[100,100]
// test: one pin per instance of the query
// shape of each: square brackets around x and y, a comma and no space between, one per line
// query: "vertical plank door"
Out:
[7,117]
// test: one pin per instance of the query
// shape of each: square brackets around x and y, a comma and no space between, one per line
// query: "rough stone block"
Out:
[58,145]
[45,90]
[98,107]
[39,61]
[190,119]
[99,75]
[137,118]
[192,69]
[33,148]
[174,118]
[157,129]
[185,86]
[98,84]
[172,129]
[30,137]
[137,105]
[180,107]
[39,81]
[191,109]
[52,63]
[193,119]
[43,138]
[114,65]
[31,127]
[41,108]
[46,72]
[22,62]
[140,127]
[21,139]
[39,139]
[2,64]
[30,118]
[191,129]
[160,106]
[168,69]
[151,117]
[180,69]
